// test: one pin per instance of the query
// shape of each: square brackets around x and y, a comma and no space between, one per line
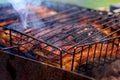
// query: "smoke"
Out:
[21,6]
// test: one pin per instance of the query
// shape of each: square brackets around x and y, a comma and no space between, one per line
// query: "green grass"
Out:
[92,3]
[87,3]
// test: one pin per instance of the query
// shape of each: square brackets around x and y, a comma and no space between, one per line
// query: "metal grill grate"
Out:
[72,38]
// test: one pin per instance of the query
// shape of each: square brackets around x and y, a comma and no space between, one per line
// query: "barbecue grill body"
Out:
[14,67]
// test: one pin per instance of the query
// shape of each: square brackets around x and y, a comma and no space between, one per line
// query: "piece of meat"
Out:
[67,59]
[6,22]
[41,11]
[106,31]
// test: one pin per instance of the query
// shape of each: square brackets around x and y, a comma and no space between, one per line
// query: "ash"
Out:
[108,71]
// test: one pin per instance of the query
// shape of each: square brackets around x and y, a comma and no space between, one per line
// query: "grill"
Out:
[75,39]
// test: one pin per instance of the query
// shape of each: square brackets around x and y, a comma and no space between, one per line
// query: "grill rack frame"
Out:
[106,60]
[60,50]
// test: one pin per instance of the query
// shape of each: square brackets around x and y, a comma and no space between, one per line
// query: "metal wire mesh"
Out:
[72,38]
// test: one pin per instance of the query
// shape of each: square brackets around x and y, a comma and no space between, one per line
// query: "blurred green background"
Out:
[95,4]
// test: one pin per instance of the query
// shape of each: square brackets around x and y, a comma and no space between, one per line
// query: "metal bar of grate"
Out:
[94,55]
[116,56]
[87,60]
[113,42]
[106,52]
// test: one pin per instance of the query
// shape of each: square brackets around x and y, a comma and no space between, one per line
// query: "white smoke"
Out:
[21,6]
